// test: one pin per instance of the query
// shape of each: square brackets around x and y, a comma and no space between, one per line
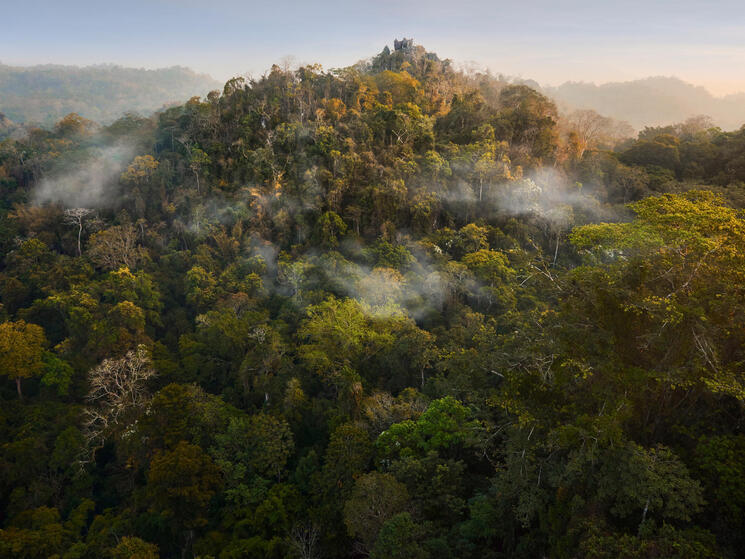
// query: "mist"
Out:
[92,184]
[547,194]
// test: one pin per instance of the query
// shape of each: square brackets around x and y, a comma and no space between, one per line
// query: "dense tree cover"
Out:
[44,94]
[390,310]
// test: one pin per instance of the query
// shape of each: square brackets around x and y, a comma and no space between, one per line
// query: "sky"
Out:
[702,42]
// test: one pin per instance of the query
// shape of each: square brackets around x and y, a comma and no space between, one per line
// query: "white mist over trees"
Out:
[393,310]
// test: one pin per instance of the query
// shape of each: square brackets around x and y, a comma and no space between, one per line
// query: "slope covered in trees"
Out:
[389,310]
[652,101]
[42,95]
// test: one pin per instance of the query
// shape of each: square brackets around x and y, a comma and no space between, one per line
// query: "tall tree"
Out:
[21,351]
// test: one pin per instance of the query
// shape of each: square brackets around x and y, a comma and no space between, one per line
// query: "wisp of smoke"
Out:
[545,193]
[93,183]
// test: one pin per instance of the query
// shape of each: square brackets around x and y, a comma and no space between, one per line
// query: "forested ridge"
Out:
[42,95]
[652,101]
[392,310]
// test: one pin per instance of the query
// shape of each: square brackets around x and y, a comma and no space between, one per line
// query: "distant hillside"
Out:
[44,94]
[652,101]
[5,123]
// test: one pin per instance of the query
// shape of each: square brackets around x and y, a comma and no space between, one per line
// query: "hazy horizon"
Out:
[578,41]
[296,62]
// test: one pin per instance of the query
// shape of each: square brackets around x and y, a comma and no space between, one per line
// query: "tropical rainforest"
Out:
[392,310]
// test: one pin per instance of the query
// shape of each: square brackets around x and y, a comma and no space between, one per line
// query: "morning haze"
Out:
[374,302]
[578,41]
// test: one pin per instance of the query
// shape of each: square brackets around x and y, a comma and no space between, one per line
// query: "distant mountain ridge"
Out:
[651,101]
[44,94]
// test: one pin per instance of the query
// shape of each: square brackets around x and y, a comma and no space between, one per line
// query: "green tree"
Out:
[21,351]
[181,483]
[257,446]
[131,547]
[198,160]
[397,539]
[375,498]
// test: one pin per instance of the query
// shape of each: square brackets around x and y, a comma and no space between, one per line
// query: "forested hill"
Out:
[391,311]
[44,94]
[652,101]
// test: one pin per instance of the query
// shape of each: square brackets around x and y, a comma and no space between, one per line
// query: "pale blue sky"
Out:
[551,41]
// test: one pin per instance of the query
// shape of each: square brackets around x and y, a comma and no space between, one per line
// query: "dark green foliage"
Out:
[391,310]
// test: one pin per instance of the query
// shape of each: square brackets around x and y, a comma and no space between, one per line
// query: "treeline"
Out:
[391,310]
[651,101]
[42,95]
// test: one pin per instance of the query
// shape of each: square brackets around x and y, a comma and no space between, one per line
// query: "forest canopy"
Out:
[388,310]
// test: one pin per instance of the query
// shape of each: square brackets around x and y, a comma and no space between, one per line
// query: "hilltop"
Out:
[392,310]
